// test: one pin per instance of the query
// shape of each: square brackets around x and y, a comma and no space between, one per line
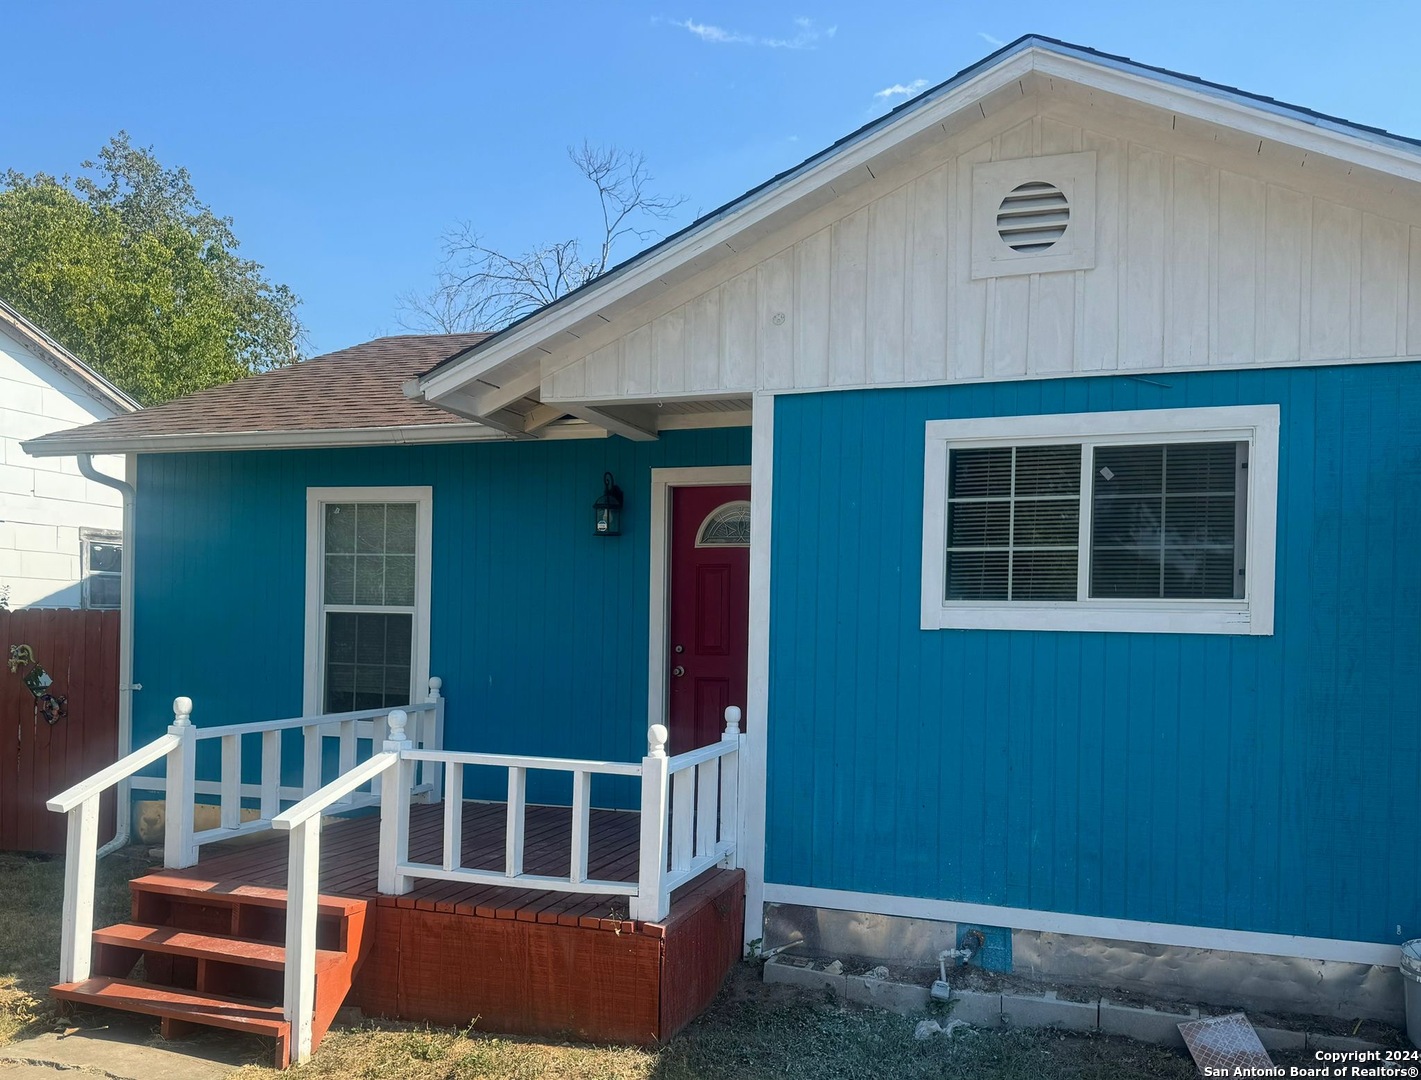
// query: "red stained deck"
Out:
[521,961]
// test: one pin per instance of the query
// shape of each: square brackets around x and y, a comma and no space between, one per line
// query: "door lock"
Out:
[678,671]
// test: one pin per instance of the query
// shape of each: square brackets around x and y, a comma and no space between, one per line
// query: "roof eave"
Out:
[1210,102]
[58,445]
[716,228]
[89,381]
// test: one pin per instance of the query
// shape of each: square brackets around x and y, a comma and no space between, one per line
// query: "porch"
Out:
[610,925]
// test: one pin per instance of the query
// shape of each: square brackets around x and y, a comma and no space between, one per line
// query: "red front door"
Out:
[708,644]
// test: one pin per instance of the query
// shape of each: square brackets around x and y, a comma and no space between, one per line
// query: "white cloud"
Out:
[807,34]
[899,90]
[996,43]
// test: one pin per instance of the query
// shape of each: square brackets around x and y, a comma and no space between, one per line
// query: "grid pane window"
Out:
[103,568]
[1166,521]
[367,661]
[369,597]
[1013,520]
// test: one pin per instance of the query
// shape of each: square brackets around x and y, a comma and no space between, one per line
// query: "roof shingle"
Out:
[358,387]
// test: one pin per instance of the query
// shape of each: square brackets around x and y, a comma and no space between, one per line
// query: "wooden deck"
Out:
[520,960]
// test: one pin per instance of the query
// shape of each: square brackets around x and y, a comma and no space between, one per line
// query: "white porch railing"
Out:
[181,788]
[689,813]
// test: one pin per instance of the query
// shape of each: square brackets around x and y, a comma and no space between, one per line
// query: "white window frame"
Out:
[1257,425]
[313,696]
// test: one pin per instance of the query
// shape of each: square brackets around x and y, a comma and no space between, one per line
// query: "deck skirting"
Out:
[598,978]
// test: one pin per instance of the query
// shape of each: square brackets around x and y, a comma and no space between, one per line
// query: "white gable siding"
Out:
[44,502]
[1203,258]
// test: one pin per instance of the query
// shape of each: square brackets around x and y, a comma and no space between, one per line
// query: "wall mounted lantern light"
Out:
[608,509]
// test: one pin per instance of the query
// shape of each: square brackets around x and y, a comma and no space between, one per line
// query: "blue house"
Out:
[1035,469]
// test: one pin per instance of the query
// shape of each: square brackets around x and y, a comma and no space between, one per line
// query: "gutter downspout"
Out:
[123,817]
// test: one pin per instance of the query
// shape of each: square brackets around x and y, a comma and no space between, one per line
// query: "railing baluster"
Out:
[271,775]
[651,902]
[80,854]
[231,797]
[303,887]
[313,745]
[347,751]
[707,805]
[517,800]
[181,794]
[454,818]
[683,810]
[431,772]
[581,820]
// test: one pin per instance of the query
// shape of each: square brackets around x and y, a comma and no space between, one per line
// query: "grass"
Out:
[752,1031]
[31,899]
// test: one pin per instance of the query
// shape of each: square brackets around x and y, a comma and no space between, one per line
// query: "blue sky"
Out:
[345,138]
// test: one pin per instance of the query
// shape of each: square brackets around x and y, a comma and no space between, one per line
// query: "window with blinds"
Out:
[1013,523]
[1167,522]
[1154,520]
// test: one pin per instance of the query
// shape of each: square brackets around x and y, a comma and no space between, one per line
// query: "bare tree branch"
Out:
[481,288]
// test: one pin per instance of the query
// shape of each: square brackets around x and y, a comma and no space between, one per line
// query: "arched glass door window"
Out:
[728,525]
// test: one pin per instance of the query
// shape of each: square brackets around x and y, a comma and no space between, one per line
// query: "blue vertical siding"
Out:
[538,627]
[1255,783]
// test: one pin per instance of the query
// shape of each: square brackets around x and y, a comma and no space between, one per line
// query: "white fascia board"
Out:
[618,284]
[1274,123]
[265,440]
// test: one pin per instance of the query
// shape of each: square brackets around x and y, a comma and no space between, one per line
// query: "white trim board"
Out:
[1154,376]
[1093,926]
[316,497]
[662,481]
[754,759]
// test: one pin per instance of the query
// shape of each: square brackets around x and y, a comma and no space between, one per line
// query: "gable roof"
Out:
[75,371]
[349,397]
[510,361]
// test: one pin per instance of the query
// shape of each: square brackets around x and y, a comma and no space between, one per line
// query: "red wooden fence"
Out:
[79,650]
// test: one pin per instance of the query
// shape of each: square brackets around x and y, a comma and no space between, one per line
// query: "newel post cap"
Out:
[656,738]
[435,685]
[398,719]
[732,720]
[182,710]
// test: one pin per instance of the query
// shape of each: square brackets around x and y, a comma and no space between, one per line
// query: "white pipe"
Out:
[122,821]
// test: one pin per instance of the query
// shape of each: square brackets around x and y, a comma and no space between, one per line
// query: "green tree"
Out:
[127,269]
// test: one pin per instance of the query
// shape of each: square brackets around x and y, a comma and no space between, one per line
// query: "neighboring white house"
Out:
[60,534]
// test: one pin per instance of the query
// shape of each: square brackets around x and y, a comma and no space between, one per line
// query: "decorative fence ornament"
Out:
[54,706]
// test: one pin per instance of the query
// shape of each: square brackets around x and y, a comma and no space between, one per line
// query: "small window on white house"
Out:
[1141,521]
[102,555]
[367,623]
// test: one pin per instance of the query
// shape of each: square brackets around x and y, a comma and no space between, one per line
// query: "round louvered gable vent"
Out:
[1033,217]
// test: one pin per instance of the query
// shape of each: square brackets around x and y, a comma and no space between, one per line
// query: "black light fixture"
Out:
[608,508]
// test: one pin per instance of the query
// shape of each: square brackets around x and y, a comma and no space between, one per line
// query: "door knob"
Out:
[678,671]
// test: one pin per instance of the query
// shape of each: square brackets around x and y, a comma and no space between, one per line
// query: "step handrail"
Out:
[81,853]
[303,870]
[106,778]
[312,805]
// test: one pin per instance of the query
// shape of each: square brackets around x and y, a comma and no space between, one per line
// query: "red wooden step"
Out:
[172,883]
[234,1014]
[229,950]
